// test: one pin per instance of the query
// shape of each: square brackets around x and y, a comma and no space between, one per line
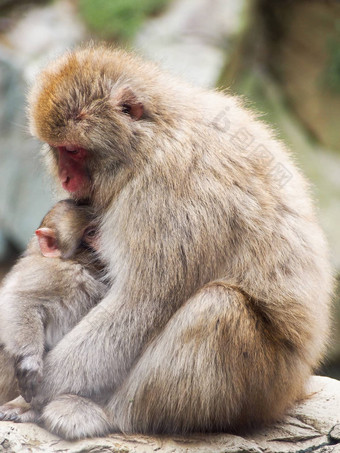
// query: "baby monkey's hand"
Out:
[29,375]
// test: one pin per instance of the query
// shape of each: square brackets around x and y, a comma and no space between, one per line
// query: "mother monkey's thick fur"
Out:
[218,308]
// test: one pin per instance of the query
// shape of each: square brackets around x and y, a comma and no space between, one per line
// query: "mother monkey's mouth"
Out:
[72,172]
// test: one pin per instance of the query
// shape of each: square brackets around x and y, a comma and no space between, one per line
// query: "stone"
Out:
[335,433]
[311,426]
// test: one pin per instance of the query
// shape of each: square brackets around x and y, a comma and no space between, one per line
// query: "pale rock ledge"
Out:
[312,426]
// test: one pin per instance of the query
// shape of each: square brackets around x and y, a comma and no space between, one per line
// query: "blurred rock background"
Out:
[283,56]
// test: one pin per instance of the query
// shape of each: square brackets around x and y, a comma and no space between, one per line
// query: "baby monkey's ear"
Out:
[48,242]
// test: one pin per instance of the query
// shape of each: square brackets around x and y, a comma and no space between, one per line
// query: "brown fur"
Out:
[43,298]
[220,282]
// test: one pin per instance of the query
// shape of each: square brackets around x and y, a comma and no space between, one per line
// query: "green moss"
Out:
[118,19]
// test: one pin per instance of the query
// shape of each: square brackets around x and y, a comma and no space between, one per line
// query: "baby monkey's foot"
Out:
[18,411]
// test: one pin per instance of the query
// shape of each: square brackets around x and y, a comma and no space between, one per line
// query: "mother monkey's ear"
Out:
[129,103]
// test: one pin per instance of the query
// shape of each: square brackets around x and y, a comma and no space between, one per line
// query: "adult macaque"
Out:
[42,299]
[220,284]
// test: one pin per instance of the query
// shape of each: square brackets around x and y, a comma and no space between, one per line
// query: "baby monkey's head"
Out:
[67,229]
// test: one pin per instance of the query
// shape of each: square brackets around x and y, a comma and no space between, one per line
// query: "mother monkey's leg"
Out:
[217,365]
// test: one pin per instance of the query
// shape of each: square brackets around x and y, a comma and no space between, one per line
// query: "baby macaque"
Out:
[54,284]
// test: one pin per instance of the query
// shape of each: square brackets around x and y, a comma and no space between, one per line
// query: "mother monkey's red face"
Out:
[88,116]
[73,170]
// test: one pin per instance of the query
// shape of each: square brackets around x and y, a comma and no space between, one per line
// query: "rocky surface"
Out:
[312,426]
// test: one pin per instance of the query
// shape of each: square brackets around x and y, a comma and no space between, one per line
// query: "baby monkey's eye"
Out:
[90,237]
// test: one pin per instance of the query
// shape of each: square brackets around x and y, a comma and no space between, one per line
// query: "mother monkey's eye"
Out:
[90,232]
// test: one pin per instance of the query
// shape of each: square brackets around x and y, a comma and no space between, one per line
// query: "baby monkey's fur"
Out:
[43,297]
[218,305]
